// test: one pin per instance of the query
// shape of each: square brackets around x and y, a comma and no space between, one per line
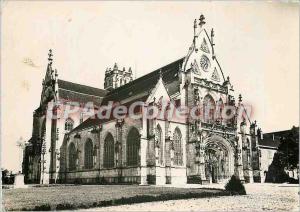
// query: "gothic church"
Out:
[80,149]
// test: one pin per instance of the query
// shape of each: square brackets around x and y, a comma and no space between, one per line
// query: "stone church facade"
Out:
[159,150]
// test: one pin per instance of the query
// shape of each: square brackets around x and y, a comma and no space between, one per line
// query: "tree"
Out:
[288,150]
[286,157]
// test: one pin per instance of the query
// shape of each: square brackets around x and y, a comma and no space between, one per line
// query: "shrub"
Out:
[235,186]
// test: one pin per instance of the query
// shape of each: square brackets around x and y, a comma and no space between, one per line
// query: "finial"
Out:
[195,27]
[50,59]
[160,73]
[202,20]
[212,33]
[56,75]
[240,98]
[115,66]
[129,70]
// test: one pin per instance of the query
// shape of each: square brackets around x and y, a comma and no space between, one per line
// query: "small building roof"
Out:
[269,142]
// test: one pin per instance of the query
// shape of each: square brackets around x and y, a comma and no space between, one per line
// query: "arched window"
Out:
[160,144]
[177,145]
[72,157]
[133,147]
[109,151]
[88,154]
[209,108]
[69,124]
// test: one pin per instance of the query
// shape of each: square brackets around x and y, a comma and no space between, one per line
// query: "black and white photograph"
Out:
[149,105]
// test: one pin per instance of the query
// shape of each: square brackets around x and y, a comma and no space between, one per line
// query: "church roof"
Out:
[269,142]
[81,93]
[272,139]
[139,90]
[142,86]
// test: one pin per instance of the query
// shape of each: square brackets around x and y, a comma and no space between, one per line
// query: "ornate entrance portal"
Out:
[219,159]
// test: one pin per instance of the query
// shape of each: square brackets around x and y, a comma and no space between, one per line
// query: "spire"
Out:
[202,20]
[49,72]
[50,59]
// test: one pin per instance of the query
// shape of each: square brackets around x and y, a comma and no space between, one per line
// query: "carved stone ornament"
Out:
[204,63]
[204,47]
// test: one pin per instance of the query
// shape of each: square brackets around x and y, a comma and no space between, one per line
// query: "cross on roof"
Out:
[201,19]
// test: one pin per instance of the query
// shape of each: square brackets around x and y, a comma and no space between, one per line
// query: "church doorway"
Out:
[219,161]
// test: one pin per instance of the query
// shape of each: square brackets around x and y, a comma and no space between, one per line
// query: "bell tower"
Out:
[114,77]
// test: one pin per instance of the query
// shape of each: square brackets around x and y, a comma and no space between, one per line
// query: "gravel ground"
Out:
[260,197]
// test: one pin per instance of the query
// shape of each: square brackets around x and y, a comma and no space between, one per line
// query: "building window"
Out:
[88,154]
[72,157]
[270,155]
[160,144]
[108,161]
[69,124]
[209,108]
[133,147]
[177,146]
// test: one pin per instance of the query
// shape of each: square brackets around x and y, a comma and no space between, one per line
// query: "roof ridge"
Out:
[74,83]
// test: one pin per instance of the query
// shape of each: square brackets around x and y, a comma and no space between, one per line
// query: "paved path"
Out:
[273,197]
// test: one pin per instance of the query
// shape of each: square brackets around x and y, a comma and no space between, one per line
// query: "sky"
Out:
[257,45]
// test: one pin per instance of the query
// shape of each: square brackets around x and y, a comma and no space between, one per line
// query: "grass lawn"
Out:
[87,196]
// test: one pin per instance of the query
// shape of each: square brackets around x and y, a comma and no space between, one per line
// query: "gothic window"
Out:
[88,154]
[177,146]
[270,154]
[204,63]
[109,151]
[133,147]
[160,144]
[69,124]
[209,108]
[72,157]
